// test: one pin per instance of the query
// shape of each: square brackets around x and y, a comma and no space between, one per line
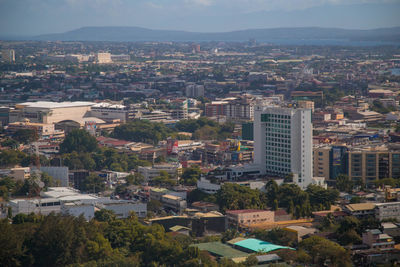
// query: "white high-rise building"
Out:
[103,58]
[283,142]
[8,55]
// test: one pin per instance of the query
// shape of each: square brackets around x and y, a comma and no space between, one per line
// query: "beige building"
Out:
[321,156]
[44,130]
[306,104]
[250,217]
[20,173]
[103,58]
[50,112]
[8,55]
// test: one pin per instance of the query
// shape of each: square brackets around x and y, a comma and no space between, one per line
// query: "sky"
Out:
[35,17]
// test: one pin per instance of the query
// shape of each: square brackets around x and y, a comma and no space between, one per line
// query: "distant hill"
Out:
[135,34]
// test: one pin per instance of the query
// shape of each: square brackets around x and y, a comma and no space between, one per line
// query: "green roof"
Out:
[221,250]
[257,245]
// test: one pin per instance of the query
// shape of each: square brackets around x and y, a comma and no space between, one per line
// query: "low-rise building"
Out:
[250,217]
[388,210]
[360,210]
[375,239]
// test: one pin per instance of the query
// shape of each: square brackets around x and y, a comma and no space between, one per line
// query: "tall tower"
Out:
[8,55]
[283,142]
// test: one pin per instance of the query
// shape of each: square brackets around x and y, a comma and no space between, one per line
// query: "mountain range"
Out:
[137,34]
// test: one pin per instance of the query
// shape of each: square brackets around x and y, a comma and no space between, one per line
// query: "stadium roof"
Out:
[257,245]
[49,104]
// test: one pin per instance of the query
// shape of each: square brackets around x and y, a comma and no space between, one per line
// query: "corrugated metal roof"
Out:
[257,245]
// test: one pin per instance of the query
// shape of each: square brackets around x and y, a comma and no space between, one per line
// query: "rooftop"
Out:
[360,206]
[48,104]
[244,211]
[257,245]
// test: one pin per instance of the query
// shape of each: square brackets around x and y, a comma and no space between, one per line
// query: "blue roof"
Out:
[257,245]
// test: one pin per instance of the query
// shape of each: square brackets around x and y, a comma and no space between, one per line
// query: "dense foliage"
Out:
[297,202]
[57,240]
[142,131]
[78,140]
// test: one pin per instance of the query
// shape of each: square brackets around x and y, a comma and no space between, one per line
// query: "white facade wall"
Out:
[283,142]
[58,173]
[87,210]
[124,209]
[389,210]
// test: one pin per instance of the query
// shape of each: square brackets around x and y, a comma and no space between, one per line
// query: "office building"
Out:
[8,55]
[109,112]
[194,90]
[283,143]
[103,58]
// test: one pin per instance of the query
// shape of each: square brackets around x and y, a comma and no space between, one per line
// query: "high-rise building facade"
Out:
[283,142]
[8,55]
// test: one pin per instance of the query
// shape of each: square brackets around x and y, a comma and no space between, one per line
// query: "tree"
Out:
[11,245]
[277,236]
[93,183]
[25,136]
[154,206]
[104,215]
[78,140]
[272,191]
[190,175]
[321,250]
[134,179]
[234,197]
[343,183]
[251,261]
[164,179]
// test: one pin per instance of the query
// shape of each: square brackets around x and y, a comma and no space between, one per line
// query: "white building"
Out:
[283,142]
[109,112]
[50,112]
[103,58]
[8,55]
[43,206]
[151,172]
[389,210]
[58,173]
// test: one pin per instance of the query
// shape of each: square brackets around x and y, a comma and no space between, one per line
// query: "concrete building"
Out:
[215,108]
[240,109]
[43,206]
[20,173]
[44,130]
[249,217]
[194,90]
[283,142]
[306,104]
[123,209]
[150,172]
[360,210]
[60,174]
[388,210]
[109,112]
[8,55]
[50,112]
[375,239]
[102,58]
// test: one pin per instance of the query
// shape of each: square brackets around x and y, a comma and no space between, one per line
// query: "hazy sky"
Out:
[32,17]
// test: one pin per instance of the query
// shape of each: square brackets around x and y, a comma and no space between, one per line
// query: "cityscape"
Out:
[134,147]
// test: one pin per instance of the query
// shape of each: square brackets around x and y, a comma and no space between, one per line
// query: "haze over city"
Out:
[28,17]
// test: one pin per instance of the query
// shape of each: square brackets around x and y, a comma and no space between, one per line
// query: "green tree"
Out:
[321,250]
[251,261]
[25,136]
[78,140]
[190,175]
[134,179]
[234,196]
[104,215]
[343,183]
[93,184]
